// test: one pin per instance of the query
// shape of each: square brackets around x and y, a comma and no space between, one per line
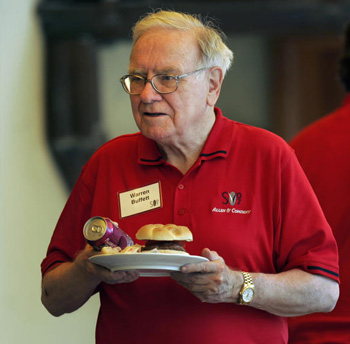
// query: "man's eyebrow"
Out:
[168,70]
[137,72]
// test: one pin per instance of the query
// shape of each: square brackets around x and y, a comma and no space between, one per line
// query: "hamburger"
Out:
[168,238]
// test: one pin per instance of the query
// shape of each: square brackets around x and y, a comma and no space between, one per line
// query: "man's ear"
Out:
[216,76]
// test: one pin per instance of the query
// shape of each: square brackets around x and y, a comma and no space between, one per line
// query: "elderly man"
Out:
[240,190]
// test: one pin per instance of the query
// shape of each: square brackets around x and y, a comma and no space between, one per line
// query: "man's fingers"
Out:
[215,264]
[121,277]
[211,255]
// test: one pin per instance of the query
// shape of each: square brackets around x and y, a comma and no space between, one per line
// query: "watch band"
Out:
[248,279]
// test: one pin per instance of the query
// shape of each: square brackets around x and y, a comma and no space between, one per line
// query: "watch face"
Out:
[248,294]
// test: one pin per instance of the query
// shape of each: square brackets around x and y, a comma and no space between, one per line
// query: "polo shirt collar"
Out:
[220,138]
[148,152]
[217,145]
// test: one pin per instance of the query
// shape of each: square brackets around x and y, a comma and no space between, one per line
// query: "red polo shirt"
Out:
[246,197]
[323,150]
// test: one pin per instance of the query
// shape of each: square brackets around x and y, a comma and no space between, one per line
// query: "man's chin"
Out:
[159,134]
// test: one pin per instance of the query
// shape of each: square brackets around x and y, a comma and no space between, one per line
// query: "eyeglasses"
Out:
[162,83]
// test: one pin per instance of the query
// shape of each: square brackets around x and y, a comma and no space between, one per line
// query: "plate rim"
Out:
[163,269]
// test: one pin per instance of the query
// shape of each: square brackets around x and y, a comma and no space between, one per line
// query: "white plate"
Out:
[148,264]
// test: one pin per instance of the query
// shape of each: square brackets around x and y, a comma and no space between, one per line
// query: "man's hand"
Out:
[100,273]
[211,281]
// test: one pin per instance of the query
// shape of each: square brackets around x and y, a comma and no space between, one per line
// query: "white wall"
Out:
[31,191]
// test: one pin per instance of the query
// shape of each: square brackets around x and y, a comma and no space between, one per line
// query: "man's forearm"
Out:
[66,288]
[290,293]
[71,284]
[294,293]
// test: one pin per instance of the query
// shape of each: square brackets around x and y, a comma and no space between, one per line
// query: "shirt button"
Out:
[182,211]
[181,186]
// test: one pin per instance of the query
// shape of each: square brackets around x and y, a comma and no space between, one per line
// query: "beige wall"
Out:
[31,191]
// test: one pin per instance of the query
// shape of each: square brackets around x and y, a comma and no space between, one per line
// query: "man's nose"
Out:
[149,94]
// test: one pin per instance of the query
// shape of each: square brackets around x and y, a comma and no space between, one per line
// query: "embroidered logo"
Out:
[229,199]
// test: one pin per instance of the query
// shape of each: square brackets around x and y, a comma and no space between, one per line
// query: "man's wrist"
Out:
[239,281]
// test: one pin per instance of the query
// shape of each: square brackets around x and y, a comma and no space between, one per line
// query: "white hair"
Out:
[210,38]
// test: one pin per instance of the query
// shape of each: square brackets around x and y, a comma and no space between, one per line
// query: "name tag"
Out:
[139,200]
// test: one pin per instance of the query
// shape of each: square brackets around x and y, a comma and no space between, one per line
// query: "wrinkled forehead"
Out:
[165,49]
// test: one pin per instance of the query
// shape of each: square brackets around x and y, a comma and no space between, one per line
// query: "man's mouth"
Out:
[153,114]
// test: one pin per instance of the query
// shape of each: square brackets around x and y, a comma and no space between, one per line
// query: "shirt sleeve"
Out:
[305,240]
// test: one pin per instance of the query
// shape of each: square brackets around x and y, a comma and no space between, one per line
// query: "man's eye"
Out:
[165,78]
[136,79]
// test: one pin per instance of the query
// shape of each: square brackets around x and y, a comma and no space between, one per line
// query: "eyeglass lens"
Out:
[161,83]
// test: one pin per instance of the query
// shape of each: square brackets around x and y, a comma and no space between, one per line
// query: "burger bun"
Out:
[160,232]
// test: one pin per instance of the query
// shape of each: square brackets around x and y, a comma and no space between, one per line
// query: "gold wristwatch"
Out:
[247,292]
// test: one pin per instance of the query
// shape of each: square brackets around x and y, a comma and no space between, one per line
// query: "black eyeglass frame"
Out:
[176,77]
